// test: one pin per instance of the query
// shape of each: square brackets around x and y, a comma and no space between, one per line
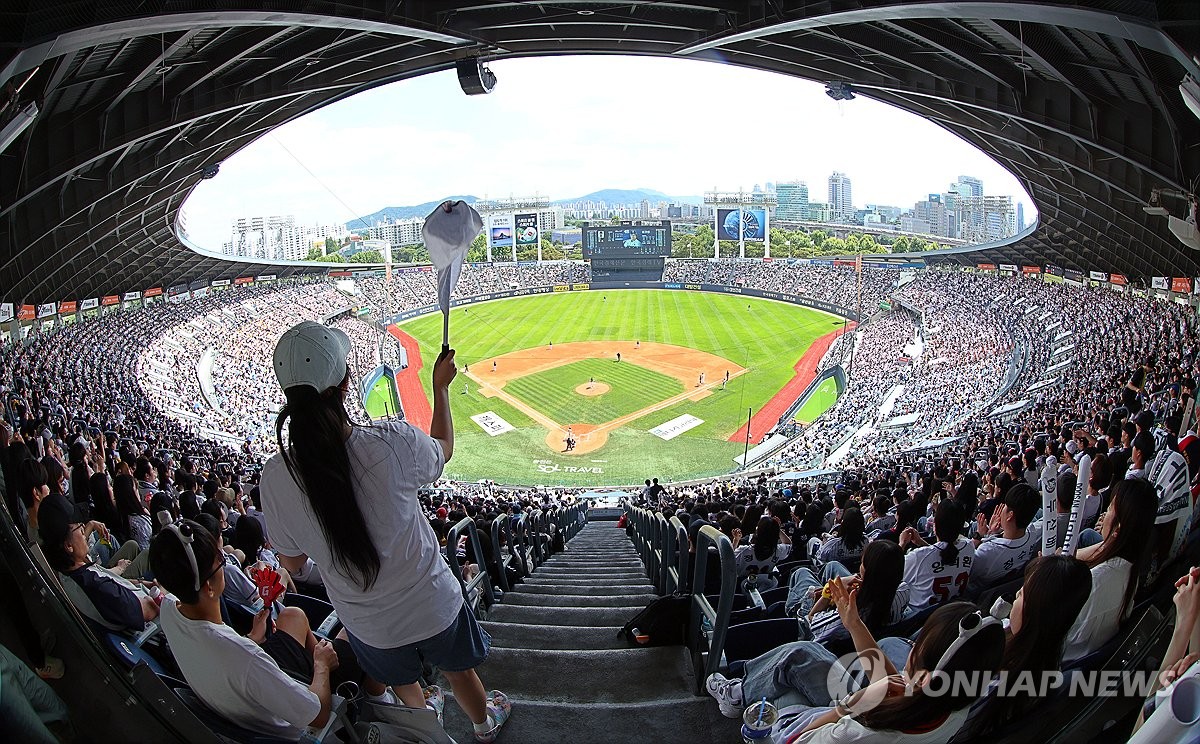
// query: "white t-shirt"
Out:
[1100,617]
[850,731]
[997,557]
[415,596]
[933,582]
[236,678]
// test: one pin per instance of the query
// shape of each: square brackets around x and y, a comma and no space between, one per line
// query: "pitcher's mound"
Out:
[595,388]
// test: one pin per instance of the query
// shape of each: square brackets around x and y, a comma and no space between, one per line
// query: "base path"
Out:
[806,372]
[408,383]
[680,362]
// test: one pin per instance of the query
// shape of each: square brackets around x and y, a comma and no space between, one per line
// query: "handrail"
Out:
[706,661]
[502,523]
[675,576]
[520,542]
[481,578]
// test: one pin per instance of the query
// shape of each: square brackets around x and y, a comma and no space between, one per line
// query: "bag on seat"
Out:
[397,724]
[662,623]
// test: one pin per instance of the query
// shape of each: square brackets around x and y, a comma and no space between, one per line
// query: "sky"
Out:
[566,126]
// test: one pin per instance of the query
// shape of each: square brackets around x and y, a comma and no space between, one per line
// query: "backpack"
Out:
[662,623]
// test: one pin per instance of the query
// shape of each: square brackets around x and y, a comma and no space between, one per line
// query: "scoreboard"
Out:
[627,240]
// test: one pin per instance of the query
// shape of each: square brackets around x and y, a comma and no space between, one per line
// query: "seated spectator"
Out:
[881,590]
[848,545]
[1117,565]
[797,674]
[132,512]
[938,573]
[118,600]
[231,674]
[768,547]
[1009,543]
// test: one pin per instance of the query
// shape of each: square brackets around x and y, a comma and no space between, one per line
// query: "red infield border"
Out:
[408,383]
[806,372]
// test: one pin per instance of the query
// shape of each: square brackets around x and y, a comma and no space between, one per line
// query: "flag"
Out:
[448,235]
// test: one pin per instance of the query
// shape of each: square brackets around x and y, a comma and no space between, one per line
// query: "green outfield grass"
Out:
[819,402]
[763,336]
[631,388]
[381,398]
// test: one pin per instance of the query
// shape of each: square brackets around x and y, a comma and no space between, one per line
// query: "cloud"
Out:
[565,126]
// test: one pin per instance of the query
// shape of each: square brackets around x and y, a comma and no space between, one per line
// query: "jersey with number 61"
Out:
[930,580]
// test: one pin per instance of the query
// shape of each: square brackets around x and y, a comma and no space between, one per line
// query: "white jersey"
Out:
[932,582]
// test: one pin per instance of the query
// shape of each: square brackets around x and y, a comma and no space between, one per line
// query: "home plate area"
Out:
[681,373]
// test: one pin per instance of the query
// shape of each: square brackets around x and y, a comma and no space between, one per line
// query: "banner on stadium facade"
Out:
[220,283]
[986,267]
[177,289]
[27,312]
[1054,270]
[526,230]
[1073,275]
[68,308]
[1098,276]
[46,310]
[179,297]
[243,280]
[6,311]
[265,278]
[338,274]
[152,292]
[90,304]
[1159,282]
[742,224]
[500,231]
[1181,284]
[130,296]
[1118,279]
[578,287]
[1031,269]
[562,288]
[108,300]
[198,293]
[1008,267]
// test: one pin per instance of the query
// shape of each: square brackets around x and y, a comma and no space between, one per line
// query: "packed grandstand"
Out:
[965,392]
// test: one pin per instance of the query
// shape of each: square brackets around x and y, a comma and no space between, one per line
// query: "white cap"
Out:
[311,354]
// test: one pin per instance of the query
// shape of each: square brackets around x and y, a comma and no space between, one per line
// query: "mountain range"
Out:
[609,196]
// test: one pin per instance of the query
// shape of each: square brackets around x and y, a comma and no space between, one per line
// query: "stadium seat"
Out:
[749,640]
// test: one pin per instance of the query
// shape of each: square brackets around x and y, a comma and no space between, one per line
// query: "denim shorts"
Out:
[462,646]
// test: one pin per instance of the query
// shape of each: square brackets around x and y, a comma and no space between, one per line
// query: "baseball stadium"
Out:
[683,473]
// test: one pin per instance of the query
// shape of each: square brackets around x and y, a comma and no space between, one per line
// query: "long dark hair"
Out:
[1134,506]
[319,463]
[853,528]
[981,654]
[170,564]
[1053,594]
[248,538]
[750,518]
[883,570]
[947,526]
[129,502]
[766,539]
[968,492]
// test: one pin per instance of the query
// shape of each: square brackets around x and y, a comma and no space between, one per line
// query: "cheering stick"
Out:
[1071,541]
[1049,483]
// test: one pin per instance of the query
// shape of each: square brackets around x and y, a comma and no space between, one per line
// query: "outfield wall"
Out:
[795,299]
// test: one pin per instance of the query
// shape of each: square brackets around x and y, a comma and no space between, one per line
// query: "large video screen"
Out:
[613,241]
[753,224]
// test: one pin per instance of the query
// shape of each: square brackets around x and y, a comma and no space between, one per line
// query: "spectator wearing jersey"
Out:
[848,545]
[884,518]
[882,594]
[1117,565]
[1009,544]
[938,573]
[1141,456]
[906,516]
[769,546]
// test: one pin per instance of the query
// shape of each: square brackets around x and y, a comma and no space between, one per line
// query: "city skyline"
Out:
[566,129]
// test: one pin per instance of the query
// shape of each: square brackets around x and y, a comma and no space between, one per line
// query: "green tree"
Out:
[552,251]
[477,252]
[333,258]
[314,254]
[367,257]
[331,245]
[901,245]
[818,237]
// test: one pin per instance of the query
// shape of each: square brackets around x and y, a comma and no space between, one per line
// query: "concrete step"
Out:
[593,590]
[591,572]
[592,563]
[511,635]
[577,616]
[538,580]
[514,599]
[695,720]
[628,675]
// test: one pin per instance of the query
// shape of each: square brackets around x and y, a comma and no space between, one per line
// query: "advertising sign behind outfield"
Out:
[676,426]
[491,423]
[6,311]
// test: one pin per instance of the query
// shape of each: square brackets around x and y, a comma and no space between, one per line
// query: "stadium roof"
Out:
[1079,100]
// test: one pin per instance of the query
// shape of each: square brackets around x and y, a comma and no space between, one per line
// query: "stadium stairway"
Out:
[556,653]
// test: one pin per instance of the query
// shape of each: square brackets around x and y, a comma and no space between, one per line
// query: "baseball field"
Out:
[535,371]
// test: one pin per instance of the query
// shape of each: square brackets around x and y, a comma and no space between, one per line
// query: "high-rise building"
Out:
[1020,216]
[986,218]
[968,186]
[928,217]
[820,212]
[841,202]
[793,201]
